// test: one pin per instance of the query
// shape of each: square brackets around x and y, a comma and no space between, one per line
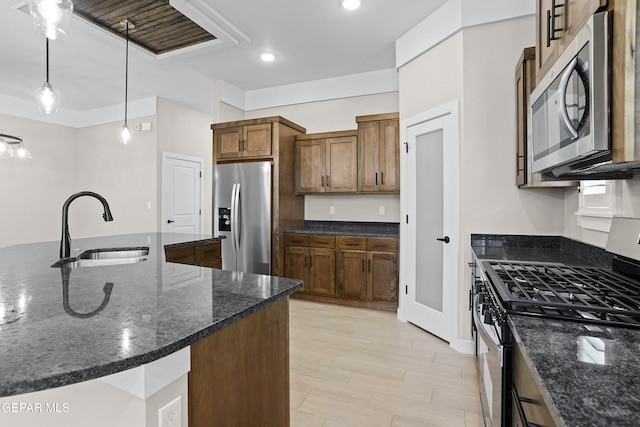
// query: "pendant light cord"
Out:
[47,66]
[126,74]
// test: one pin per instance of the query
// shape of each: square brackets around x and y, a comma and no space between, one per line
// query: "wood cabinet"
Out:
[370,272]
[525,79]
[197,253]
[239,142]
[239,375]
[557,22]
[349,270]
[378,153]
[327,163]
[311,258]
[527,400]
[267,138]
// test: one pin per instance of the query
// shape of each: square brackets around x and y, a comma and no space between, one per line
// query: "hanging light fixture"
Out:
[125,135]
[51,17]
[47,98]
[12,146]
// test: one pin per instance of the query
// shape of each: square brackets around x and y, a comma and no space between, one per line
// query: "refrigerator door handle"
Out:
[236,229]
[234,217]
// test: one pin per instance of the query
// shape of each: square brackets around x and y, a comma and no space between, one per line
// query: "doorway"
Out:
[430,226]
[182,194]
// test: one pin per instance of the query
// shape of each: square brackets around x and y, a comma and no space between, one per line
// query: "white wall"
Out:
[67,160]
[335,115]
[182,130]
[32,191]
[476,67]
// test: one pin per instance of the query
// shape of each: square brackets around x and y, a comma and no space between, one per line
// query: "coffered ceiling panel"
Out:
[159,27]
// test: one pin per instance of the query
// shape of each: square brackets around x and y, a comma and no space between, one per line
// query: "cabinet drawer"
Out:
[208,251]
[322,241]
[382,244]
[183,255]
[296,240]
[349,242]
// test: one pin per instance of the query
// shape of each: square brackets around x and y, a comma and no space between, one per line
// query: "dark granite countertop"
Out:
[590,374]
[62,326]
[344,228]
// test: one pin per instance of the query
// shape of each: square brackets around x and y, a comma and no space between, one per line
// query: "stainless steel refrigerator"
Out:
[242,213]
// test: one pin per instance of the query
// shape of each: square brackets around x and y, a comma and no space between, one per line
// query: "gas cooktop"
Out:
[587,294]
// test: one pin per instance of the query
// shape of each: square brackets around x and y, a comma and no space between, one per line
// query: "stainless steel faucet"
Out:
[65,241]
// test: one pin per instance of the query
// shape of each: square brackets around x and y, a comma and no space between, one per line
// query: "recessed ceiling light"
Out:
[267,57]
[351,4]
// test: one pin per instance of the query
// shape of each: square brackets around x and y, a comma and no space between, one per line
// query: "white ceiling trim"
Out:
[452,17]
[370,83]
[211,20]
[18,107]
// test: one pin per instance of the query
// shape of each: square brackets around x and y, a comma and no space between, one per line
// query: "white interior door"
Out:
[182,195]
[431,226]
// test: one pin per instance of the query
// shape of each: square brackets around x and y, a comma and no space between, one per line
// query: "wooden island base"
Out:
[240,375]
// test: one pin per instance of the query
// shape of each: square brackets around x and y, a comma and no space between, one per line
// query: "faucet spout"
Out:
[65,241]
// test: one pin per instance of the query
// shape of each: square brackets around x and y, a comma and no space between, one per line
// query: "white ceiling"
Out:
[312,39]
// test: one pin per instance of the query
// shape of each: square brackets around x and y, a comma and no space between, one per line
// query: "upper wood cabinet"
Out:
[378,153]
[243,141]
[327,162]
[557,22]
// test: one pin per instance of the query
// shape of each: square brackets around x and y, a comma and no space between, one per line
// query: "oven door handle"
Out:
[495,347]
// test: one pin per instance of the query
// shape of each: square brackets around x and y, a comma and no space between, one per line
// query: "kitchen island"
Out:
[61,326]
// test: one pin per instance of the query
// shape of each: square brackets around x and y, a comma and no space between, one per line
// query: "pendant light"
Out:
[125,135]
[51,17]
[12,146]
[47,98]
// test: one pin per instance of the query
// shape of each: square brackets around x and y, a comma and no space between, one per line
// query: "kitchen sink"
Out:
[105,256]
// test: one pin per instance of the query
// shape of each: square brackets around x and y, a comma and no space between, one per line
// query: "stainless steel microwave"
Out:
[569,108]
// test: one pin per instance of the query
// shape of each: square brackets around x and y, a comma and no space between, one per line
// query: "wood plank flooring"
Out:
[360,367]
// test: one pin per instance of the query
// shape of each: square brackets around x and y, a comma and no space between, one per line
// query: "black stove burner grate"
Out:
[559,291]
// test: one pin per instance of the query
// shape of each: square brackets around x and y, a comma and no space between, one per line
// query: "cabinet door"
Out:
[256,140]
[341,164]
[295,265]
[546,55]
[228,142]
[322,269]
[310,166]
[368,153]
[389,156]
[382,277]
[530,395]
[352,274]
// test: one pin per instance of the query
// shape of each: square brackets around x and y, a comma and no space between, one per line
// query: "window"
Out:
[596,205]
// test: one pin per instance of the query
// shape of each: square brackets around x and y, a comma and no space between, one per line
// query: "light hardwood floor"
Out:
[360,367]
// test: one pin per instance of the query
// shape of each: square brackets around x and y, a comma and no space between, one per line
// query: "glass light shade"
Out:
[125,135]
[51,17]
[21,152]
[47,99]
[5,150]
[351,4]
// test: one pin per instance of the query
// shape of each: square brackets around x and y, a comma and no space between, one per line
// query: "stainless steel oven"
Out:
[493,352]
[570,106]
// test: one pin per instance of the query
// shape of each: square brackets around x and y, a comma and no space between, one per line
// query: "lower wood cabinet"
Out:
[347,270]
[202,254]
[529,407]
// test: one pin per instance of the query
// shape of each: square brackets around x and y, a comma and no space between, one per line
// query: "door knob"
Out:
[169,221]
[444,239]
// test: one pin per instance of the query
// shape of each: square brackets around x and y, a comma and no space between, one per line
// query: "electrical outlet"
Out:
[332,210]
[170,415]
[381,210]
